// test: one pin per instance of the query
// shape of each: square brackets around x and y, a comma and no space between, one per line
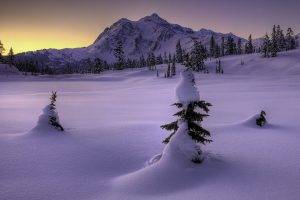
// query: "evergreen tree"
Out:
[165,58]
[230,46]
[179,57]
[280,39]
[212,48]
[191,113]
[274,46]
[2,50]
[11,56]
[239,49]
[173,69]
[198,55]
[217,51]
[290,39]
[142,61]
[249,46]
[222,47]
[261,121]
[119,54]
[159,60]
[53,117]
[168,74]
[265,49]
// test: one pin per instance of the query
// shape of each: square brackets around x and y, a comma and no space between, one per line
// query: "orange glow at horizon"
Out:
[22,41]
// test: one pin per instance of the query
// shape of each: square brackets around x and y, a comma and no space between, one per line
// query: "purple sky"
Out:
[70,23]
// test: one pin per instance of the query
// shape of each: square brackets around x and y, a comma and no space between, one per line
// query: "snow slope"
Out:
[287,63]
[112,124]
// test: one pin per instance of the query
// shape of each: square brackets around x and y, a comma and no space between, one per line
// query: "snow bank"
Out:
[186,90]
[43,126]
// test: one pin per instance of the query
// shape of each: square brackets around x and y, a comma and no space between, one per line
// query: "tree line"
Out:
[38,63]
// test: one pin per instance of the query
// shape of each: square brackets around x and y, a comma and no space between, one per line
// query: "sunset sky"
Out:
[36,24]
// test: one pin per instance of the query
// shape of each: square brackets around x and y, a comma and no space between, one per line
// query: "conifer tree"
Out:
[249,46]
[239,47]
[198,56]
[274,46]
[280,38]
[119,54]
[217,51]
[2,50]
[212,48]
[179,52]
[191,113]
[290,39]
[265,49]
[222,50]
[53,117]
[173,69]
[11,56]
[230,46]
[168,74]
[261,121]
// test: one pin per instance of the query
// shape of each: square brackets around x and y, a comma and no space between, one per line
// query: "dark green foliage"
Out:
[11,56]
[119,54]
[179,52]
[1,51]
[52,118]
[265,49]
[193,119]
[274,43]
[249,48]
[198,55]
[261,121]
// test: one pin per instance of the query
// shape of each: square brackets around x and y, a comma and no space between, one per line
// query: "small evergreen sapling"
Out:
[190,114]
[261,121]
[53,117]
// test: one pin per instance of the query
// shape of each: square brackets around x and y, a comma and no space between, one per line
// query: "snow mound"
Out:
[186,90]
[43,126]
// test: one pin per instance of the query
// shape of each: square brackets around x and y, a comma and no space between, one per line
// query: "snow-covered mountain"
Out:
[149,34]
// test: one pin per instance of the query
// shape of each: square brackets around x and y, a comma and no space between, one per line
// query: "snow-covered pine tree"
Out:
[280,38]
[198,55]
[188,124]
[274,46]
[265,48]
[119,54]
[53,116]
[261,121]
[179,52]
[290,39]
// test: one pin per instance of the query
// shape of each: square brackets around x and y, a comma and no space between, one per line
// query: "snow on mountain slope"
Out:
[149,34]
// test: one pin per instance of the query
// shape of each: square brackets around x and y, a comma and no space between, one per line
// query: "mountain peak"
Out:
[154,17]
